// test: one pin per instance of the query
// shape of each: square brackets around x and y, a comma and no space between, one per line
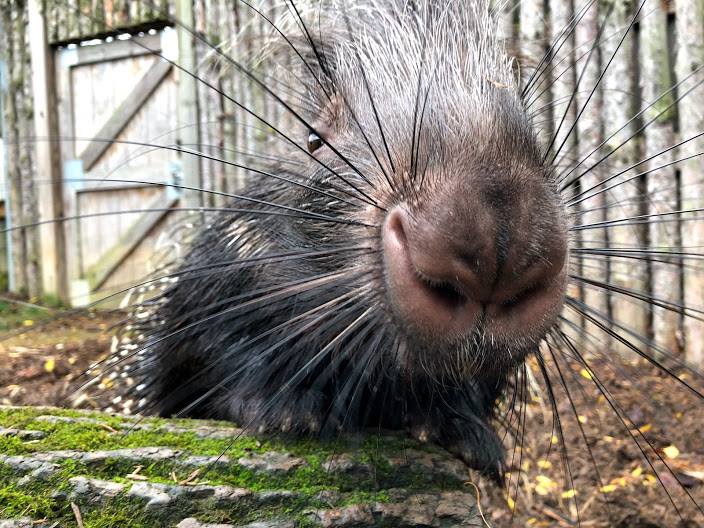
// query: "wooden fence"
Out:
[655,77]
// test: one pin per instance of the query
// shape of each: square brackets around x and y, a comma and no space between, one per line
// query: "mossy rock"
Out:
[57,465]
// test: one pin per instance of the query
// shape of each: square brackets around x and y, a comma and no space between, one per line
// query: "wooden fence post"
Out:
[18,111]
[661,183]
[591,134]
[625,198]
[48,158]
[188,120]
[690,56]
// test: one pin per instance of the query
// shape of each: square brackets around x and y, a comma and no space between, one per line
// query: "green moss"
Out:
[306,482]
[11,445]
[18,503]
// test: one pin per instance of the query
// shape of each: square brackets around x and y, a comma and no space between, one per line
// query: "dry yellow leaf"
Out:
[637,472]
[582,419]
[671,452]
[649,480]
[542,490]
[544,480]
[568,494]
[645,428]
[585,374]
[544,464]
[511,503]
[608,488]
[620,481]
[49,365]
[28,322]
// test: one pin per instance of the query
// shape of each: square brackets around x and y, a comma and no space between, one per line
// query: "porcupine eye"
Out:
[314,142]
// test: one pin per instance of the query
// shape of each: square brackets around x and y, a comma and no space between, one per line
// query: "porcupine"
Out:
[410,262]
[395,275]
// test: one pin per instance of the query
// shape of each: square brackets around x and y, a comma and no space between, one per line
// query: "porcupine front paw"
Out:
[478,447]
[297,414]
[486,455]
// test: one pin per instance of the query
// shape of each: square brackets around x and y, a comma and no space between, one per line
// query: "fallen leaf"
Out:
[671,452]
[50,365]
[649,480]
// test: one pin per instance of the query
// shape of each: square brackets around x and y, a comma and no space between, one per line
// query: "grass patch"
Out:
[14,315]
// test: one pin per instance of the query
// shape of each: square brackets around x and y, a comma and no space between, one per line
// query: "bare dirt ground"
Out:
[42,359]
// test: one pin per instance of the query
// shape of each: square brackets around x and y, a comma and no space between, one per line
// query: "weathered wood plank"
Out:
[662,179]
[99,273]
[626,197]
[563,113]
[48,168]
[118,49]
[124,113]
[533,38]
[590,128]
[690,57]
[188,115]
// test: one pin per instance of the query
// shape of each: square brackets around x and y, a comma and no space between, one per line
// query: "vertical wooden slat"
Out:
[85,26]
[8,122]
[238,116]
[631,317]
[563,113]
[22,192]
[230,130]
[188,104]
[661,183]
[209,114]
[533,45]
[244,39]
[74,20]
[591,134]
[48,169]
[690,56]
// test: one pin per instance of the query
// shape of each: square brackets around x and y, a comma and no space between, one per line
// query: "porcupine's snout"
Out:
[455,266]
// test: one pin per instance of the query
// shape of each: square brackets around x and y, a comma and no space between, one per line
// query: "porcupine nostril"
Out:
[443,284]
[434,288]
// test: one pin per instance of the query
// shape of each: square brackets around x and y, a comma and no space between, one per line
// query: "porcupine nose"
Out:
[446,274]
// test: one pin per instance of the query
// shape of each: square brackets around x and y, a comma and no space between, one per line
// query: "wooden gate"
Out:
[112,96]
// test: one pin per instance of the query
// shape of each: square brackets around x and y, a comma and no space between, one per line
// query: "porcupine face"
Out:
[418,109]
